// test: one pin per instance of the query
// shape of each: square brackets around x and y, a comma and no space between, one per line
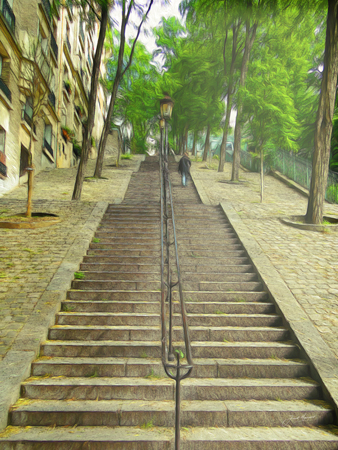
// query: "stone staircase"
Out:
[99,381]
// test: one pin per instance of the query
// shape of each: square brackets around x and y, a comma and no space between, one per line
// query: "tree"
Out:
[36,78]
[324,120]
[268,103]
[101,11]
[136,102]
[121,69]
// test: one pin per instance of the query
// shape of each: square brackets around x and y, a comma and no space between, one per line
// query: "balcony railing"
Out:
[8,14]
[54,46]
[47,8]
[48,147]
[4,88]
[3,169]
[51,98]
[68,45]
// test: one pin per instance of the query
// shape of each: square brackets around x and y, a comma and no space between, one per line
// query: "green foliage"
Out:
[79,275]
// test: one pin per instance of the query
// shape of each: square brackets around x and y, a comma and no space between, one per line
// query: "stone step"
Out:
[154,285]
[115,218]
[206,242]
[151,349]
[218,277]
[153,333]
[145,319]
[110,306]
[118,267]
[185,261]
[125,259]
[139,228]
[161,438]
[119,284]
[189,296]
[146,367]
[204,250]
[105,244]
[155,254]
[121,276]
[191,307]
[55,388]
[123,234]
[196,268]
[123,413]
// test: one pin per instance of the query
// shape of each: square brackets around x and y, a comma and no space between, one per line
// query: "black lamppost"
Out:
[166,105]
[162,125]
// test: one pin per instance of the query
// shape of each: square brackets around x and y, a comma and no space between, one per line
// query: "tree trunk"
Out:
[181,144]
[249,40]
[323,128]
[186,139]
[206,145]
[193,151]
[91,105]
[30,175]
[106,129]
[262,173]
[225,137]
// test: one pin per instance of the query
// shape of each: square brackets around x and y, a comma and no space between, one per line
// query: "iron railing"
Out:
[54,46]
[5,89]
[8,14]
[175,370]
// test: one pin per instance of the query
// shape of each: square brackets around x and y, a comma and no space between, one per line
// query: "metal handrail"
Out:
[175,371]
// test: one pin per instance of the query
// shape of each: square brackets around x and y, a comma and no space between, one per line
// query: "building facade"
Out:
[62,48]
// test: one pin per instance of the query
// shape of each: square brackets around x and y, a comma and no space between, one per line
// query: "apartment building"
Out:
[67,49]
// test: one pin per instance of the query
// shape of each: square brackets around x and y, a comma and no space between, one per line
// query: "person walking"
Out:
[184,168]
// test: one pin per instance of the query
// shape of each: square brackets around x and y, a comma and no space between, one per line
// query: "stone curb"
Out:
[15,367]
[292,184]
[323,363]
[200,190]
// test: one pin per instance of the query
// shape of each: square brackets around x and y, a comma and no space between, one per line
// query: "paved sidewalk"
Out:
[30,258]
[307,261]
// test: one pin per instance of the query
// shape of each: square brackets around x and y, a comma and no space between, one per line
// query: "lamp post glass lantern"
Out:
[166,105]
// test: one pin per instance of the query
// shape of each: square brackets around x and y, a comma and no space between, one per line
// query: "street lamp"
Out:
[166,106]
[162,125]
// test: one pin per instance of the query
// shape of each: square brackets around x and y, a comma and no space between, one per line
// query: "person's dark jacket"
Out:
[184,165]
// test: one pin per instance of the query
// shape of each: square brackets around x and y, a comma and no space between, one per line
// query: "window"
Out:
[43,41]
[27,112]
[23,160]
[3,168]
[2,140]
[0,65]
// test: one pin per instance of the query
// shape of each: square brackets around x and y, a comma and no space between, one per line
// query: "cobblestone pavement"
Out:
[30,258]
[306,260]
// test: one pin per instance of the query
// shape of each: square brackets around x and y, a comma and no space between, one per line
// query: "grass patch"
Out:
[144,355]
[147,425]
[152,375]
[126,156]
[96,240]
[79,275]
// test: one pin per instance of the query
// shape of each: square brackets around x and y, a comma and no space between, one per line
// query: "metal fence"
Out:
[292,166]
